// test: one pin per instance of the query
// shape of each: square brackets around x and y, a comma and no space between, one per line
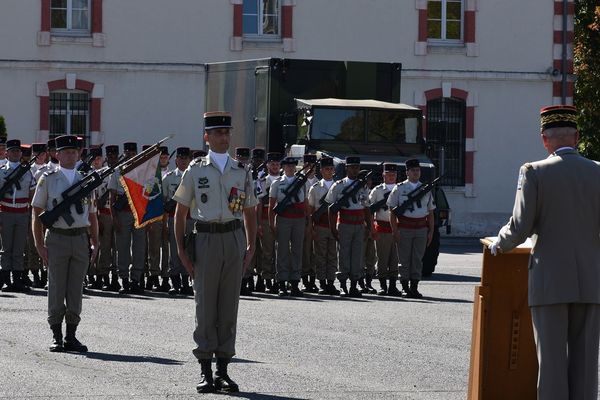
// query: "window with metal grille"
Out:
[69,114]
[446,132]
[70,16]
[261,18]
[445,20]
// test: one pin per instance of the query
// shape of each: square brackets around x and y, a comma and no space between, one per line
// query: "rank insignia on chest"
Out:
[237,198]
[203,198]
[203,183]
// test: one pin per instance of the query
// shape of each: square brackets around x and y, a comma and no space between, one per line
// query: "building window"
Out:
[69,113]
[445,21]
[70,16]
[446,134]
[261,18]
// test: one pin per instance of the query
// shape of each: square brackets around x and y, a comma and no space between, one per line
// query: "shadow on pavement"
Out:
[134,359]
[437,277]
[260,396]
[469,249]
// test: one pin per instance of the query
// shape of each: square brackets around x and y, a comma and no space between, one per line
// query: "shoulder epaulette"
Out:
[340,181]
[50,172]
[169,173]
[528,165]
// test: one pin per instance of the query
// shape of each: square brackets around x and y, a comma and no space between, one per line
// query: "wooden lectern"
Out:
[503,357]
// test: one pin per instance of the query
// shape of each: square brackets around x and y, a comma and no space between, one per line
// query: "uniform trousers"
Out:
[290,239]
[217,280]
[34,262]
[255,263]
[153,244]
[370,255]
[325,253]
[13,234]
[105,259]
[68,261]
[411,248]
[308,254]
[351,249]
[566,338]
[387,256]
[267,244]
[131,245]
[165,254]
[175,265]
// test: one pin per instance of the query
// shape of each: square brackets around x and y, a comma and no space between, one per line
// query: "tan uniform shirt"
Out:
[335,193]
[377,194]
[419,209]
[48,194]
[214,196]
[16,198]
[279,186]
[316,193]
[171,182]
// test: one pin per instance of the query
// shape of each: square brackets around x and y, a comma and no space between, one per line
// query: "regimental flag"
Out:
[143,187]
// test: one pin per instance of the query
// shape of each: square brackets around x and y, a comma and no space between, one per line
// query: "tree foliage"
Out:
[2,127]
[587,68]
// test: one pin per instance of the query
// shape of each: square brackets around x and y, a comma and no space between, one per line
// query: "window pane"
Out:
[270,7]
[80,20]
[453,30]
[334,124]
[434,29]
[58,101]
[386,126]
[78,125]
[80,4]
[249,24]
[58,19]
[434,9]
[58,124]
[269,26]
[250,7]
[59,4]
[453,11]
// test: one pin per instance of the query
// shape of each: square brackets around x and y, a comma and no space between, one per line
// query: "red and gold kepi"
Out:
[217,119]
[557,117]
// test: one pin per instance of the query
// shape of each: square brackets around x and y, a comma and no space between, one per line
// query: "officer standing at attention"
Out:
[65,249]
[387,253]
[218,191]
[325,244]
[557,204]
[413,230]
[170,184]
[288,228]
[349,229]
[15,220]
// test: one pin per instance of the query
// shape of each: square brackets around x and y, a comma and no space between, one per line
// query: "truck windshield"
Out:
[380,126]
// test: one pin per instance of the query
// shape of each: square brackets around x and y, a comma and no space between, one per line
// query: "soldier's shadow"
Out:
[131,359]
[261,396]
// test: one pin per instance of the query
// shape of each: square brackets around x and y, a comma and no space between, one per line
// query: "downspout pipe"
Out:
[564,51]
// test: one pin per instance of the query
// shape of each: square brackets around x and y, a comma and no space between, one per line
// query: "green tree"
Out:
[2,127]
[586,56]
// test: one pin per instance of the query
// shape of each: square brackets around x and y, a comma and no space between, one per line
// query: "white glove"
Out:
[494,247]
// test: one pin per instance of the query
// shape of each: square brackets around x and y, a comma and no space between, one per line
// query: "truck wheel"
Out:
[431,255]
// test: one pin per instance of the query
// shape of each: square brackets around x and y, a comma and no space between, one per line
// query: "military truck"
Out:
[334,108]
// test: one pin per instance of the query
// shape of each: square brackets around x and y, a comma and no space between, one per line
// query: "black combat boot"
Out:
[71,342]
[2,279]
[186,289]
[354,291]
[274,286]
[17,286]
[323,284]
[175,285]
[361,284]
[244,287]
[414,289]
[97,284]
[282,289]
[313,285]
[164,286]
[260,285]
[384,288]
[136,287]
[5,280]
[37,279]
[149,282]
[90,281]
[294,290]
[26,280]
[405,288]
[57,338]
[250,284]
[206,384]
[44,278]
[344,288]
[223,382]
[393,290]
[126,286]
[104,282]
[368,284]
[331,289]
[305,284]
[114,283]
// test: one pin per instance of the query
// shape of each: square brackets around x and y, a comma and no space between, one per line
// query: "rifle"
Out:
[324,206]
[80,190]
[415,196]
[103,199]
[85,166]
[380,204]
[256,171]
[350,191]
[15,176]
[292,190]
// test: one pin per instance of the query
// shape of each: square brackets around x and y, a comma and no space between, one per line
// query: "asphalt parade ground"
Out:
[315,347]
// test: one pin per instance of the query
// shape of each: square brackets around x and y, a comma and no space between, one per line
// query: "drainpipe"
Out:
[564,52]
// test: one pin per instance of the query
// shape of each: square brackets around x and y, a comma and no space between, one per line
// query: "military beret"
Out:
[39,147]
[273,156]
[112,149]
[26,150]
[352,160]
[258,153]
[558,116]
[52,144]
[164,150]
[242,152]
[326,162]
[66,142]
[13,144]
[217,119]
[309,158]
[130,146]
[289,161]
[183,152]
[96,151]
[412,163]
[199,153]
[390,167]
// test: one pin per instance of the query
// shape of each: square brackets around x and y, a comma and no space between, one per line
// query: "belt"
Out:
[104,211]
[352,217]
[295,210]
[383,226]
[14,210]
[69,232]
[265,211]
[412,223]
[217,227]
